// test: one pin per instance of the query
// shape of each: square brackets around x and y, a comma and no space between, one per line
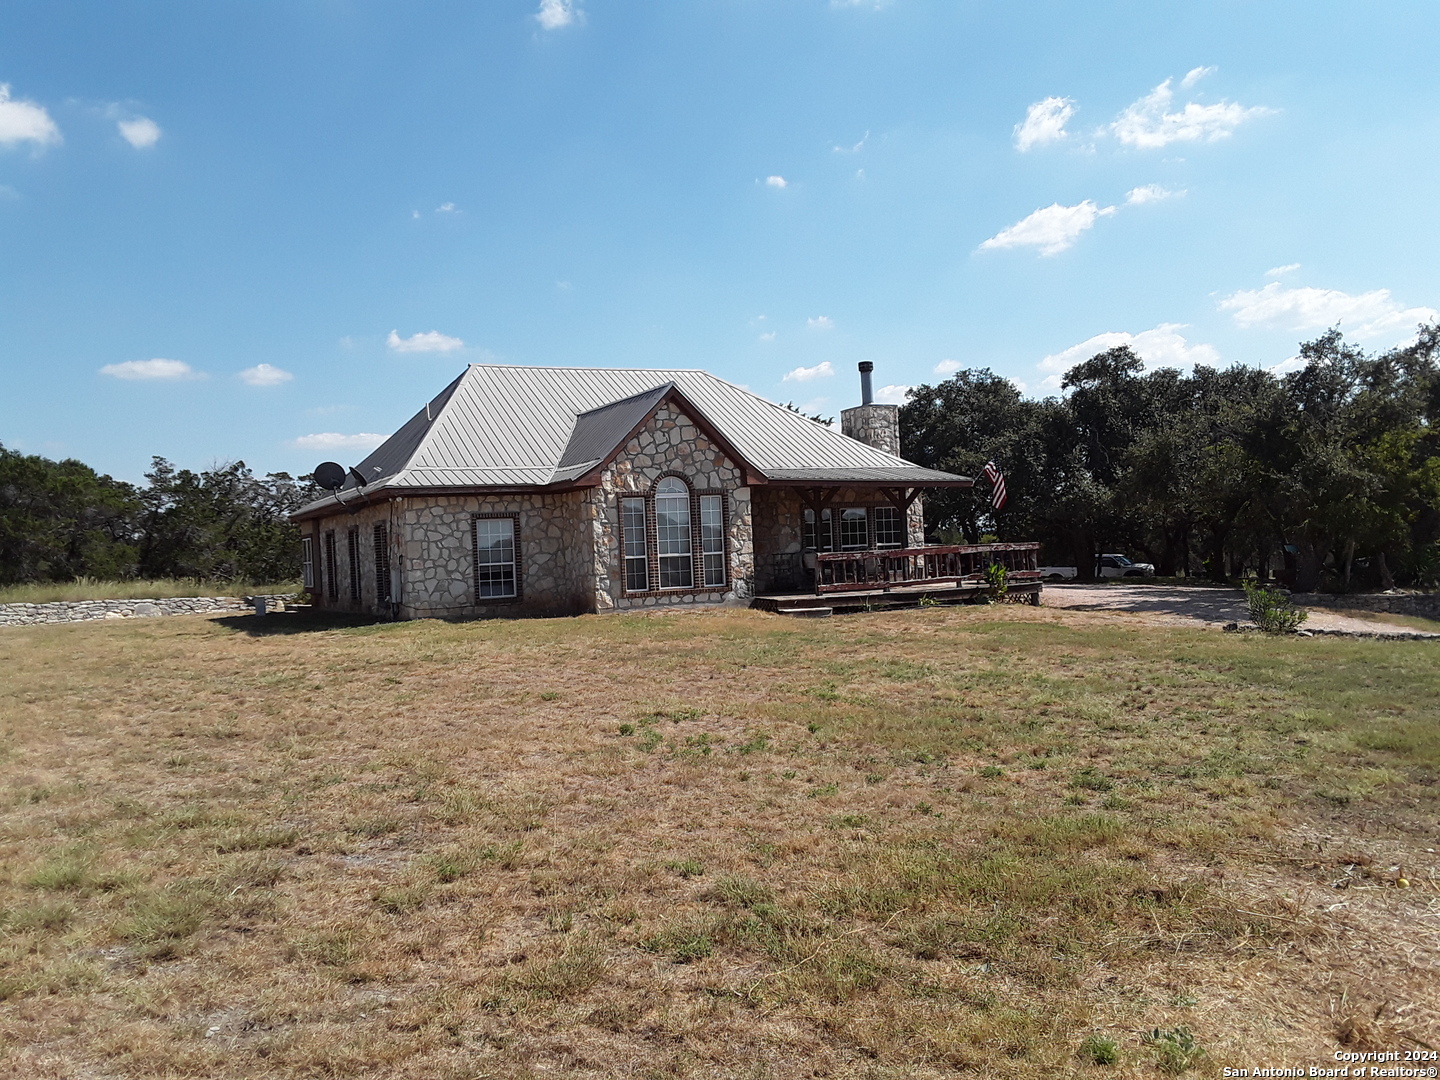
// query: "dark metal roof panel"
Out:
[597,432]
[391,456]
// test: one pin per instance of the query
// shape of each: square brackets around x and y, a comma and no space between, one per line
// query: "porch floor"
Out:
[896,596]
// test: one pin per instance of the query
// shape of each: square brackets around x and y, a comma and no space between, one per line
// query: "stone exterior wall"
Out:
[669,444]
[779,536]
[432,560]
[1424,605]
[874,425]
[68,611]
[569,542]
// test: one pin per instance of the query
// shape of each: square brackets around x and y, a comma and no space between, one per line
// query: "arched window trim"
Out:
[697,553]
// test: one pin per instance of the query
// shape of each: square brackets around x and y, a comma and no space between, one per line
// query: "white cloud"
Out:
[852,149]
[822,370]
[265,375]
[1148,193]
[1146,123]
[1163,346]
[446,208]
[947,367]
[333,440]
[769,335]
[157,369]
[1281,271]
[25,121]
[141,133]
[1052,228]
[820,322]
[1195,74]
[430,341]
[1295,363]
[1044,123]
[1363,315]
[557,14]
[892,395]
[776,182]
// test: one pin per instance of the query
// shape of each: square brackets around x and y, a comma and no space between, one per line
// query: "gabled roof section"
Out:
[598,433]
[506,426]
[391,456]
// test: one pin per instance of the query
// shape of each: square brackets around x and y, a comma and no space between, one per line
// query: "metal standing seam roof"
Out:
[503,425]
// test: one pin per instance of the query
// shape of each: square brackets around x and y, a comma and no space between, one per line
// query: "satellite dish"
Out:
[329,475]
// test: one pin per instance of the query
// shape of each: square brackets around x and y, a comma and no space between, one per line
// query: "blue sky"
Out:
[271,230]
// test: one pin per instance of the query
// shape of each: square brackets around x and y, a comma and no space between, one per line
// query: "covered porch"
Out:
[862,545]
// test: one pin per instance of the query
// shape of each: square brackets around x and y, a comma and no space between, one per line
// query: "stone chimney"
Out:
[877,425]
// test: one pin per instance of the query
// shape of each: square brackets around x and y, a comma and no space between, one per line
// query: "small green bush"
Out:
[1100,1049]
[997,581]
[1176,1050]
[1271,610]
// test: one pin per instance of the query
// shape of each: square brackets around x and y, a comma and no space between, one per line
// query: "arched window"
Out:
[672,534]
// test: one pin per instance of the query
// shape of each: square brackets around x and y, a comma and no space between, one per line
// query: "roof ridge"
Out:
[584,367]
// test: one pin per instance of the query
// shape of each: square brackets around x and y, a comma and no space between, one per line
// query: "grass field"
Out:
[1009,841]
[162,589]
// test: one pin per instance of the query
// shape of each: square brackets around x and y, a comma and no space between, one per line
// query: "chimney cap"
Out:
[867,366]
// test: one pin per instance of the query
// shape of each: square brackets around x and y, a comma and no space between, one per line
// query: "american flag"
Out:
[997,479]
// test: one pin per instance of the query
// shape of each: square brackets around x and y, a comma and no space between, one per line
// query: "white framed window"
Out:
[672,534]
[493,540]
[712,539]
[889,527]
[854,529]
[307,562]
[637,551]
[822,539]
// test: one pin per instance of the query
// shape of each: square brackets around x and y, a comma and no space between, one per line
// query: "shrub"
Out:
[1271,610]
[1176,1050]
[997,580]
[1100,1049]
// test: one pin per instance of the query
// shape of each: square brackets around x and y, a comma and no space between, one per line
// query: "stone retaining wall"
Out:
[1425,605]
[65,611]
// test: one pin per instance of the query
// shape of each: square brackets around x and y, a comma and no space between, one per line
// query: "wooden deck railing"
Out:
[848,571]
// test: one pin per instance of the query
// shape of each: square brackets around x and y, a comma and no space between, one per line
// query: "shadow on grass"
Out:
[304,621]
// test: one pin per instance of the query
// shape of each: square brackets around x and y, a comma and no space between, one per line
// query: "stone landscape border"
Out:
[1423,605]
[68,611]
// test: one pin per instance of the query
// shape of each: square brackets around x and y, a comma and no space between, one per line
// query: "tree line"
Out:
[1329,475]
[61,520]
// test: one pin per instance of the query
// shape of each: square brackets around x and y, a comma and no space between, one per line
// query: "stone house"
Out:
[549,491]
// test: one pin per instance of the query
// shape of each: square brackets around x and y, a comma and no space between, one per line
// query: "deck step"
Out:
[806,612]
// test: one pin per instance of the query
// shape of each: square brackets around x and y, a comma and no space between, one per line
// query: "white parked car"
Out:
[1106,566]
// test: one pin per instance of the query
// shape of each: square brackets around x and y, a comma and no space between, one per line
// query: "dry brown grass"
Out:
[724,844]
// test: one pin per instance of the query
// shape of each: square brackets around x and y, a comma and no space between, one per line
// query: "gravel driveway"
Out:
[1187,605]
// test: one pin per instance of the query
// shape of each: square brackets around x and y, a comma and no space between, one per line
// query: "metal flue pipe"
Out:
[867,394]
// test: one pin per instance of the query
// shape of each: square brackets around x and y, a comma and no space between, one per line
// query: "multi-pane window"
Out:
[332,571]
[637,554]
[672,534]
[352,545]
[382,562]
[307,562]
[820,541]
[854,529]
[712,539]
[889,527]
[494,542]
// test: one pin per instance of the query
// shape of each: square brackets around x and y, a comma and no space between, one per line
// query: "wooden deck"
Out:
[898,596]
